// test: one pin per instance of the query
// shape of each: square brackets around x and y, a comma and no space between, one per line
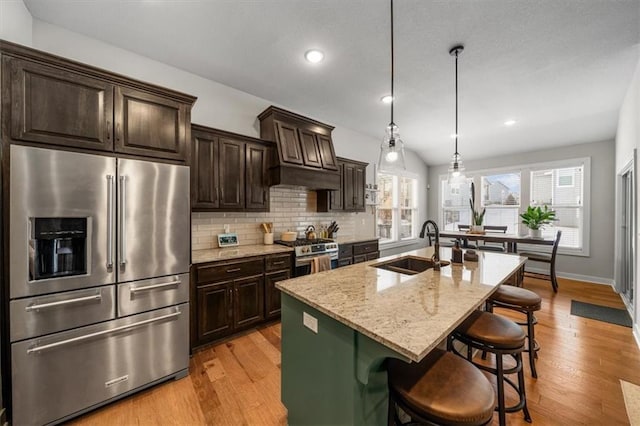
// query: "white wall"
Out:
[598,266]
[15,22]
[218,105]
[628,139]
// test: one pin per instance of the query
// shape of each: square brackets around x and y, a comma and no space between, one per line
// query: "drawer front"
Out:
[145,295]
[364,248]
[229,270]
[345,250]
[278,263]
[373,256]
[62,374]
[360,258]
[345,262]
[37,316]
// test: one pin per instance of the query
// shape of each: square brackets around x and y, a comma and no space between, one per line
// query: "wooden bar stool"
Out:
[523,301]
[500,336]
[442,389]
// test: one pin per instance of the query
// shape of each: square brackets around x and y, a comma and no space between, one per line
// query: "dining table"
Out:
[511,240]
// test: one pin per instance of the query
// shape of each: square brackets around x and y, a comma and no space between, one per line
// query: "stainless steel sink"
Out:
[409,265]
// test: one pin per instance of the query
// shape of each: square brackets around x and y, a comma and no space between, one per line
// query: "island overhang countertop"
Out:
[410,314]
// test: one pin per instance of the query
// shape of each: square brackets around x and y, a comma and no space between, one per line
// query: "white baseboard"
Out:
[577,277]
[636,334]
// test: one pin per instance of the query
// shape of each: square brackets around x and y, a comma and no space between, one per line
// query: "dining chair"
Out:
[466,228]
[489,246]
[549,258]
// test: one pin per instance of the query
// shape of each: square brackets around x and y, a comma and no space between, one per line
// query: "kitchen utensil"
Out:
[310,232]
[289,236]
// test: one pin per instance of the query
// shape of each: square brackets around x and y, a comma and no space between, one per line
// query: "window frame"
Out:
[525,196]
[396,209]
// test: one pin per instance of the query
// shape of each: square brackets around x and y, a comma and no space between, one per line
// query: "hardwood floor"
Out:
[580,365]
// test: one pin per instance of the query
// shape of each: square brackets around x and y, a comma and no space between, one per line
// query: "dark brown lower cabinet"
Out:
[248,303]
[236,294]
[215,317]
[272,294]
[357,252]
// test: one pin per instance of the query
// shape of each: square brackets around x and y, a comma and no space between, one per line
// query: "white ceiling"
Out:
[559,67]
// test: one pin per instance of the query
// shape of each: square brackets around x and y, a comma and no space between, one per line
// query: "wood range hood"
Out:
[305,155]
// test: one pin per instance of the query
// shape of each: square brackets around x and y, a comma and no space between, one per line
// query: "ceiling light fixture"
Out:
[392,148]
[510,122]
[456,168]
[314,56]
[387,99]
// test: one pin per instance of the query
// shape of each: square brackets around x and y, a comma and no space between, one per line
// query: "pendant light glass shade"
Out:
[456,168]
[456,171]
[392,148]
[391,151]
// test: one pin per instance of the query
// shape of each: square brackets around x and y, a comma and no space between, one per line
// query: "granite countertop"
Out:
[411,314]
[352,240]
[227,253]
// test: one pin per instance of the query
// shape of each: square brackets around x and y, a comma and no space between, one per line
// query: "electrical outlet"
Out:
[226,228]
[310,322]
[363,221]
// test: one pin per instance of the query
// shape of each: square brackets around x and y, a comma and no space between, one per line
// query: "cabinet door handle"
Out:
[108,130]
[118,132]
[229,271]
[279,263]
[264,196]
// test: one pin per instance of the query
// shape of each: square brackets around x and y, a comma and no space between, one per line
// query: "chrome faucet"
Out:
[436,245]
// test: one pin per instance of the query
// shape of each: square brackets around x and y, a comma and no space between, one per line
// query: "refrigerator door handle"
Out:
[37,349]
[123,209]
[155,286]
[110,220]
[36,308]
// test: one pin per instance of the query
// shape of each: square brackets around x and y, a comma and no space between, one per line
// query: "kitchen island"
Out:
[339,326]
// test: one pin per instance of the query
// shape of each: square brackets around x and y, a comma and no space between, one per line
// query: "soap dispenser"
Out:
[456,253]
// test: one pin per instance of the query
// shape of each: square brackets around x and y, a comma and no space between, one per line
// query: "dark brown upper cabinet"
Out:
[228,171]
[147,124]
[55,101]
[351,195]
[231,173]
[354,185]
[310,151]
[290,150]
[305,150]
[256,183]
[59,107]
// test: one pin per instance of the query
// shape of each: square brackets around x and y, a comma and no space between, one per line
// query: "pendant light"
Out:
[456,168]
[392,148]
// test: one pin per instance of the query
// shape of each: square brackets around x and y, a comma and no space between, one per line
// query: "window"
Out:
[500,195]
[455,205]
[563,186]
[397,211]
[561,190]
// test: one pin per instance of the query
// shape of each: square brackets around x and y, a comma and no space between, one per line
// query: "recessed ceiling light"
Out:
[314,56]
[510,122]
[387,99]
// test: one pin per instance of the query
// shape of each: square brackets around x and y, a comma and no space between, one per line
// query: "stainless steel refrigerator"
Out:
[99,283]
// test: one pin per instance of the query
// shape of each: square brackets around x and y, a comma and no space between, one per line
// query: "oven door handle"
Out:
[37,349]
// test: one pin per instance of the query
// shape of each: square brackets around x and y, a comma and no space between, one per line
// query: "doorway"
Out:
[627,229]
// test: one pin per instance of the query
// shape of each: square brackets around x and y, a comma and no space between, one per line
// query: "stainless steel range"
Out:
[305,250]
[99,282]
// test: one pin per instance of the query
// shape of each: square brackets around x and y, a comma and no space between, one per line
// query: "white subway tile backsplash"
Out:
[292,208]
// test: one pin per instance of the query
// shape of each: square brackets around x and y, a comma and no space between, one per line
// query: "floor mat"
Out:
[601,313]
[631,394]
